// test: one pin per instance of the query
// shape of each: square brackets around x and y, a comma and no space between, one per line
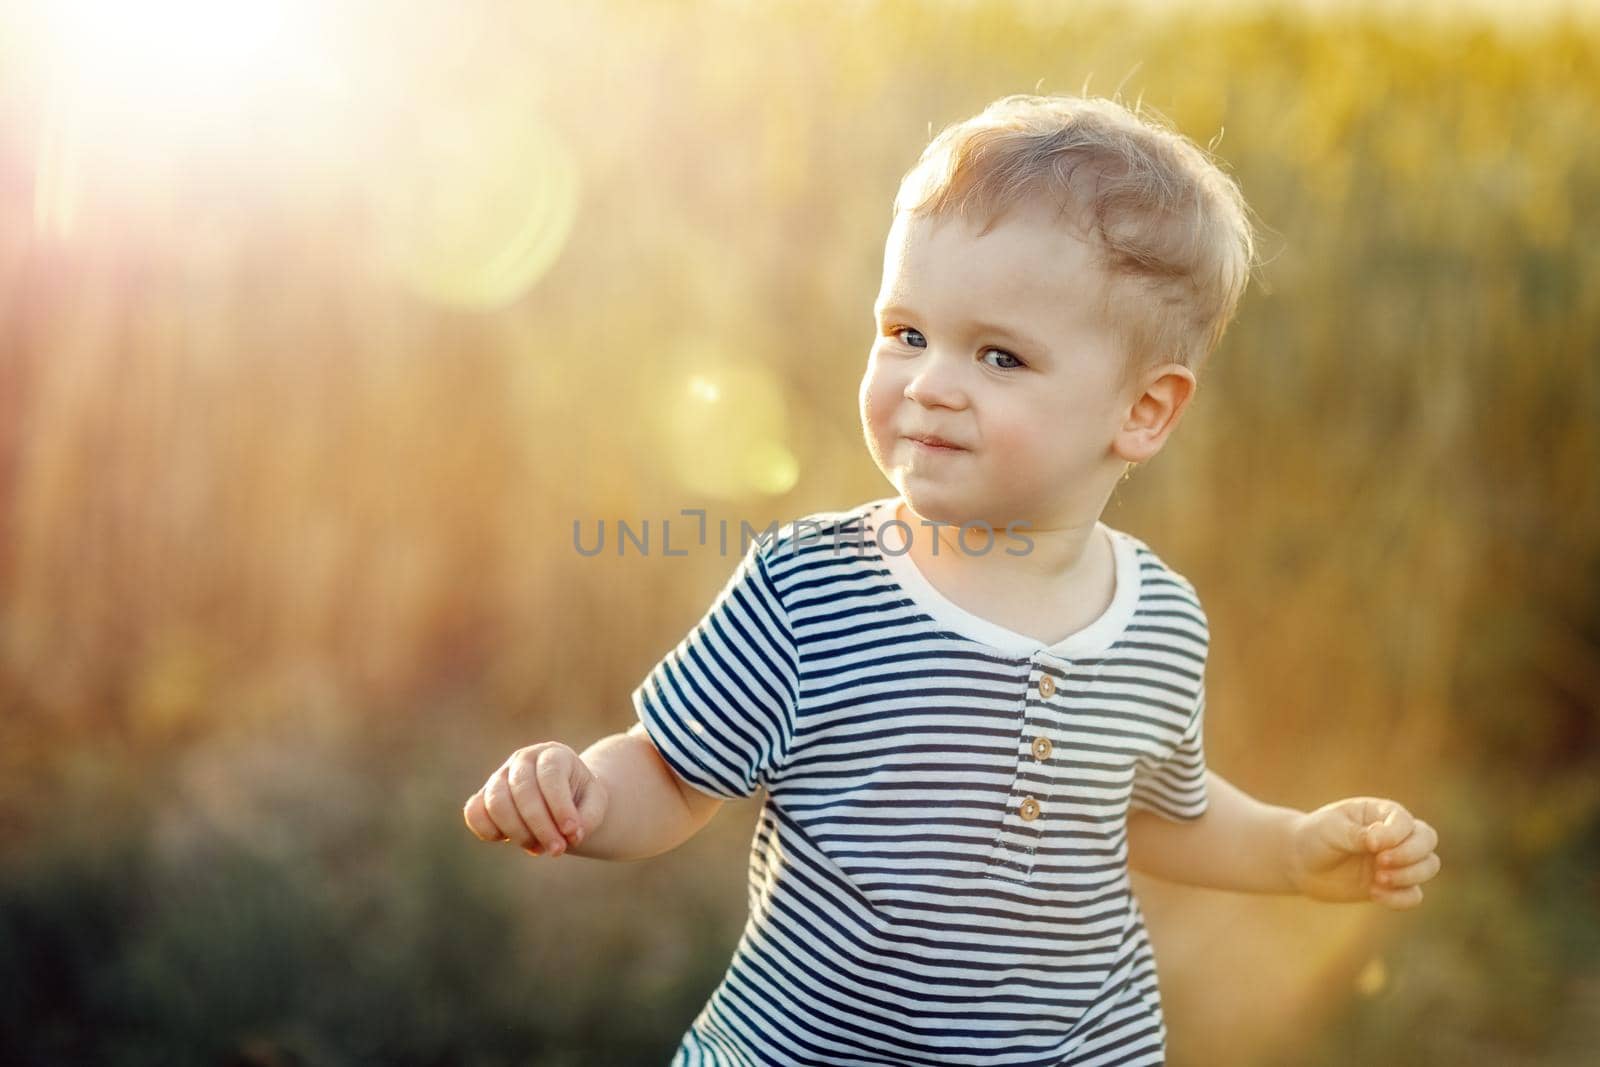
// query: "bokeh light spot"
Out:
[772,468]
[482,209]
[705,390]
[1373,978]
[725,433]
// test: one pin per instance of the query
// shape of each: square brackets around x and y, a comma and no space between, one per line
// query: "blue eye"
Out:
[1015,363]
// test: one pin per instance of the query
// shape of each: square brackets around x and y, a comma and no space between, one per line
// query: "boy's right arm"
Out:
[629,803]
[651,809]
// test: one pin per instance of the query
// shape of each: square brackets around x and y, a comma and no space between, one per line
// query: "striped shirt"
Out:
[939,872]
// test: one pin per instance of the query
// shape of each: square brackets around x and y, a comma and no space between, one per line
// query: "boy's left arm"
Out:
[1360,848]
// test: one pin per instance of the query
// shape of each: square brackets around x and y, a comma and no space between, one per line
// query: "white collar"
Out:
[1093,639]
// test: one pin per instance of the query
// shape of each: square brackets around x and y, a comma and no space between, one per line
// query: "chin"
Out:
[938,504]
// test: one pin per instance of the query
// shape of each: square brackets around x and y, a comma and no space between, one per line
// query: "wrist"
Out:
[1292,873]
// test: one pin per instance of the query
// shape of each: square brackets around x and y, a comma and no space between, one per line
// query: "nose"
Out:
[936,384]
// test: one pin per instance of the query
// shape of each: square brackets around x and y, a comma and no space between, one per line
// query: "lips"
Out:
[934,441]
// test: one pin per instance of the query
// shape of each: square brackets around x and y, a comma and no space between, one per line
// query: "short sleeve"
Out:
[720,707]
[1175,787]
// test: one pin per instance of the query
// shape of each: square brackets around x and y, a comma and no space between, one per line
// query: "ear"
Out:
[1158,403]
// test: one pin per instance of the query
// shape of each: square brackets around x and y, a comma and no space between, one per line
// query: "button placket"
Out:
[1026,814]
[1039,746]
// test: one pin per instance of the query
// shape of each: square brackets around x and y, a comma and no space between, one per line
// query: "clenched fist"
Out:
[543,797]
[1363,848]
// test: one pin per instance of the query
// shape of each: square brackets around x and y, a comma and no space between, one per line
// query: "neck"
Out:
[1060,552]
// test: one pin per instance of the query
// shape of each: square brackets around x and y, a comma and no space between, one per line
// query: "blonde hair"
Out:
[1171,230]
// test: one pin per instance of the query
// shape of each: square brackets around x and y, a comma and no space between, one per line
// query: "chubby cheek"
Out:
[1025,462]
[876,400]
[1043,449]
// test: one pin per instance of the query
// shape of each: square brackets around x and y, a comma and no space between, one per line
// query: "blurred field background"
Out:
[321,325]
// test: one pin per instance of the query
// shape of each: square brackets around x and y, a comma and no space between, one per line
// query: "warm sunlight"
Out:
[327,327]
[133,97]
[468,194]
[175,53]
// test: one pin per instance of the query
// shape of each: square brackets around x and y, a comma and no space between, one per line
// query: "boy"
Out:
[967,737]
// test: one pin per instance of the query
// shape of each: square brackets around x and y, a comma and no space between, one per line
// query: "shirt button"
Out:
[1030,809]
[1042,748]
[1047,686]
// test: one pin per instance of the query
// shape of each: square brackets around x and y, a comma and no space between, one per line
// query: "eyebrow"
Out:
[981,326]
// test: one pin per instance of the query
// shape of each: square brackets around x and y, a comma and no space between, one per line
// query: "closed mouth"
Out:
[931,441]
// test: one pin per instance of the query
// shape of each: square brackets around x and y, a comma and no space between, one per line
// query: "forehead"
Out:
[1030,264]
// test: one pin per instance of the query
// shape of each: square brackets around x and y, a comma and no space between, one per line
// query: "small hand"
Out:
[544,797]
[1363,848]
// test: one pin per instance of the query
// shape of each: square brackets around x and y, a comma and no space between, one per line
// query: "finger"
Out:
[1412,850]
[1415,874]
[591,806]
[533,778]
[503,809]
[478,821]
[559,796]
[1393,828]
[1349,836]
[1398,899]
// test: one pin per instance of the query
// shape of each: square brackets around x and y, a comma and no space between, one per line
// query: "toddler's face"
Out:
[991,344]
